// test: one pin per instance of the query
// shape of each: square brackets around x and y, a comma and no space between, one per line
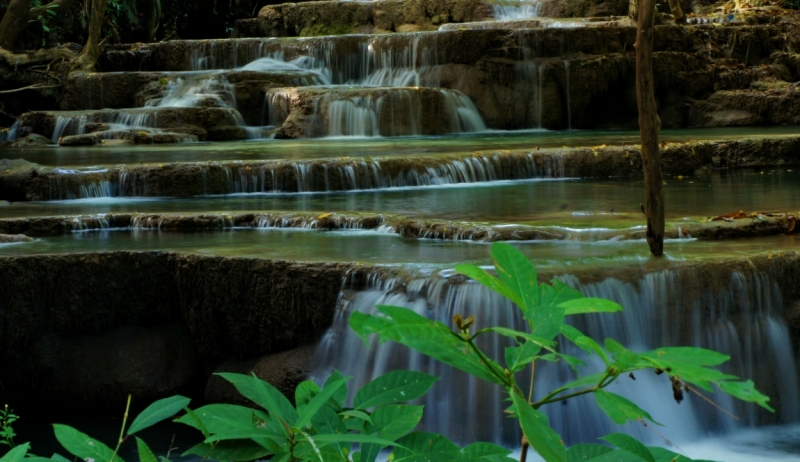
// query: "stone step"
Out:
[750,226]
[35,183]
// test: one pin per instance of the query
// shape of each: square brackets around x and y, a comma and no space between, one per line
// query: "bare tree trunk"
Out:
[14,22]
[150,20]
[677,11]
[91,51]
[649,125]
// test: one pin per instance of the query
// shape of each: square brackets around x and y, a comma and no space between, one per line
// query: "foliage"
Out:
[546,307]
[7,419]
[321,428]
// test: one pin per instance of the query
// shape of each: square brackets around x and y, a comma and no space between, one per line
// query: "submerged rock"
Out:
[13,238]
[30,141]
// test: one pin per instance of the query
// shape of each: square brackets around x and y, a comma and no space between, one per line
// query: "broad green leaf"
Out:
[82,445]
[160,410]
[619,408]
[235,451]
[629,444]
[420,446]
[583,342]
[746,391]
[193,420]
[219,418]
[542,438]
[263,394]
[326,421]
[665,455]
[392,421]
[480,452]
[59,458]
[328,392]
[519,357]
[433,339]
[586,452]
[624,359]
[145,454]
[341,395]
[393,387]
[617,455]
[517,273]
[241,433]
[687,355]
[489,281]
[323,440]
[366,324]
[16,454]
[573,362]
[589,305]
[304,393]
[308,451]
[700,376]
[356,415]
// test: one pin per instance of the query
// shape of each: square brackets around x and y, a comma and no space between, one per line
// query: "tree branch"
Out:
[16,59]
[29,87]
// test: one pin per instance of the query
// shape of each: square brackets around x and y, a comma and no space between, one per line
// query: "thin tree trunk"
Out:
[150,21]
[633,9]
[677,11]
[91,51]
[14,22]
[649,125]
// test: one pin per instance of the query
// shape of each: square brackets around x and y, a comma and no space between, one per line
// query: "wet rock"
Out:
[284,371]
[335,18]
[227,134]
[583,8]
[777,103]
[80,140]
[13,238]
[15,178]
[30,141]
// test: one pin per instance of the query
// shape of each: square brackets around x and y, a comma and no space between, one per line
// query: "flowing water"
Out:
[368,96]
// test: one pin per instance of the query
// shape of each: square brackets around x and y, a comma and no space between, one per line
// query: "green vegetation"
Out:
[320,427]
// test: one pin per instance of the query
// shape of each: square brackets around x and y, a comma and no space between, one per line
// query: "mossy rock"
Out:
[321,29]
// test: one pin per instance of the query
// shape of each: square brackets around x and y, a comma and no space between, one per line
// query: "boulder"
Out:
[283,370]
[31,141]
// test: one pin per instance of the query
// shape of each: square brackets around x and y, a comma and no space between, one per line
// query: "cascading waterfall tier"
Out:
[732,309]
[211,178]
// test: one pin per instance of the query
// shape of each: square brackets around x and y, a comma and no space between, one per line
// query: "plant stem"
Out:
[122,430]
[523,454]
[533,379]
[547,399]
[488,362]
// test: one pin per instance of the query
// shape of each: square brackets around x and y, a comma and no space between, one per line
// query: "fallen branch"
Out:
[29,87]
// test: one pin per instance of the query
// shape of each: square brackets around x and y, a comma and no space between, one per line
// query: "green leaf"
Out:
[304,393]
[519,357]
[341,396]
[16,454]
[624,359]
[487,280]
[542,438]
[572,361]
[517,273]
[583,342]
[322,440]
[746,391]
[145,454]
[589,305]
[158,411]
[586,452]
[480,452]
[392,421]
[619,408]
[328,392]
[687,355]
[393,387]
[46,29]
[424,446]
[235,451]
[82,445]
[263,394]
[326,421]
[588,381]
[433,339]
[629,444]
[515,334]
[357,415]
[193,420]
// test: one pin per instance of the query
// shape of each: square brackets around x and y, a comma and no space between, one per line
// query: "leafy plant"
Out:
[321,428]
[42,19]
[546,308]
[7,419]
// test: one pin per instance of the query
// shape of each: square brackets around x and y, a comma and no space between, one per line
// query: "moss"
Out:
[320,29]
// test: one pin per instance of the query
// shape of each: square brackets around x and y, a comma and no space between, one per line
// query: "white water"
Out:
[741,318]
[505,10]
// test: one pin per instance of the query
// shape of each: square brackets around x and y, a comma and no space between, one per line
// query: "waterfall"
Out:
[505,10]
[741,318]
[201,90]
[569,107]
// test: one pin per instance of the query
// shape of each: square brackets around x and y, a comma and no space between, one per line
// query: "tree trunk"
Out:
[677,11]
[14,22]
[91,51]
[649,125]
[150,21]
